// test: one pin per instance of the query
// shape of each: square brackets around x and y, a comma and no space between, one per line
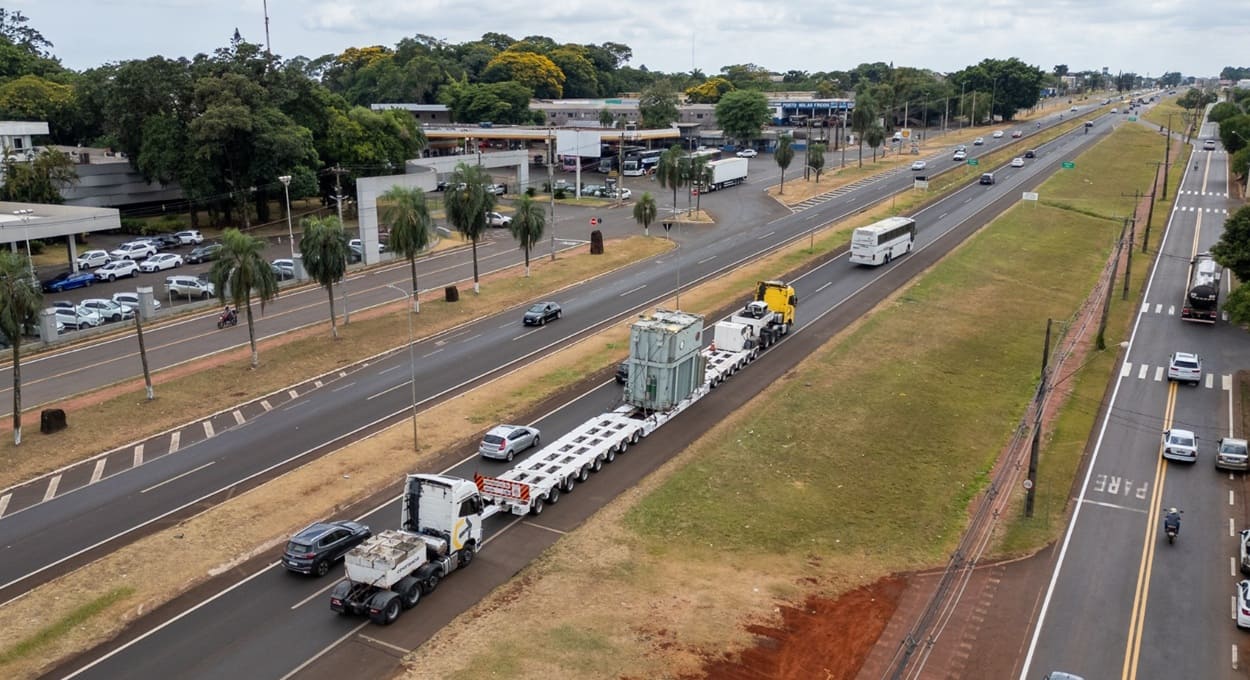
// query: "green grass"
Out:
[58,629]
[886,435]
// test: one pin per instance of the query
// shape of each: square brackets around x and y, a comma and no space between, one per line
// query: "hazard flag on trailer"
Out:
[594,221]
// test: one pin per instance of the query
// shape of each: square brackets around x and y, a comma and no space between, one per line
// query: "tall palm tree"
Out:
[669,171]
[405,210]
[527,226]
[783,155]
[20,301]
[241,270]
[704,180]
[324,248]
[694,169]
[467,201]
[863,117]
[645,212]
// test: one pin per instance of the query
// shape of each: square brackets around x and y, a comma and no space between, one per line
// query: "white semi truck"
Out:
[724,173]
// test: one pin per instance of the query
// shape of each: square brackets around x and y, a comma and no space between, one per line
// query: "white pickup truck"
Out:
[495,219]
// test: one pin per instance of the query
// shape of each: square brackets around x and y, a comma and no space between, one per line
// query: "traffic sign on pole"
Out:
[973,161]
[1068,165]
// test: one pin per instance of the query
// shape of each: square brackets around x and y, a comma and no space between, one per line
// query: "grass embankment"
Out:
[862,462]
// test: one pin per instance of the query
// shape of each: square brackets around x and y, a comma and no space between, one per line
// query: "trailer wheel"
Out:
[466,556]
[537,508]
[598,464]
[553,496]
[584,474]
[635,437]
[569,484]
[384,607]
[409,590]
[610,455]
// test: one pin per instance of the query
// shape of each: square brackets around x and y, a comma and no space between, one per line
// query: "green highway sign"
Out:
[1132,118]
[973,161]
[1068,165]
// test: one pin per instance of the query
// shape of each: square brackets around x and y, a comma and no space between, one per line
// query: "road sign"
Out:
[1132,119]
[1068,165]
[1030,196]
[973,161]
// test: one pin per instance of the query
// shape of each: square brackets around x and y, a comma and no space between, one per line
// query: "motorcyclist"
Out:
[1172,521]
[228,314]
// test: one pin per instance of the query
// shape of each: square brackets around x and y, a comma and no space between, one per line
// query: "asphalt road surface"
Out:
[1122,601]
[241,633]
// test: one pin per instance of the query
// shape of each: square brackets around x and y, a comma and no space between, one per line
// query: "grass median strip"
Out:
[50,634]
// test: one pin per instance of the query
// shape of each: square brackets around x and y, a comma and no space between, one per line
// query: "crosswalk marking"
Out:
[1158,373]
[1141,375]
[175,440]
[208,429]
[238,417]
[138,455]
[98,472]
[1126,369]
[52,485]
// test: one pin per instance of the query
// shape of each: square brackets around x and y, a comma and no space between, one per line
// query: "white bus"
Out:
[641,163]
[883,241]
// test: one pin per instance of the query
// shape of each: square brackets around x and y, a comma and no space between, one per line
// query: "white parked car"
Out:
[189,287]
[93,258]
[1180,445]
[133,250]
[1017,162]
[1243,604]
[131,300]
[77,317]
[161,262]
[116,270]
[748,153]
[191,237]
[108,310]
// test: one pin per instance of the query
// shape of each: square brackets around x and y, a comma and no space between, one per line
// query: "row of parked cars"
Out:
[96,311]
[131,258]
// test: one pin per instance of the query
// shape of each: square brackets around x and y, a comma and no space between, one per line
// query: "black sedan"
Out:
[542,312]
[203,253]
[314,549]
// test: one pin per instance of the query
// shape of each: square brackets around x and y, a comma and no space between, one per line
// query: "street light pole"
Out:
[290,231]
[412,366]
[25,214]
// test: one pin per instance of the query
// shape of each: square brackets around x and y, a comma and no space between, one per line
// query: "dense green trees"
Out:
[742,113]
[241,271]
[1232,252]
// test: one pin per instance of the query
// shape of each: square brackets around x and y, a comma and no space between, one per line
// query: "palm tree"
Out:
[20,301]
[409,218]
[669,171]
[875,137]
[694,169]
[467,201]
[863,117]
[783,155]
[645,211]
[324,248]
[527,226]
[705,180]
[239,271]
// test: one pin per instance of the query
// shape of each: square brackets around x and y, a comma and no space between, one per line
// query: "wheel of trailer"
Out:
[409,589]
[598,464]
[635,437]
[610,455]
[384,607]
[569,483]
[466,556]
[321,568]
[537,507]
[553,496]
[584,474]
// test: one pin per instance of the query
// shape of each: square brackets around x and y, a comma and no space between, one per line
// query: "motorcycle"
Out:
[1172,524]
[230,318]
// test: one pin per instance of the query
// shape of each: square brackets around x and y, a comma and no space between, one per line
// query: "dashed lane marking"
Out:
[98,472]
[388,645]
[52,485]
[175,440]
[138,455]
[238,417]
[539,526]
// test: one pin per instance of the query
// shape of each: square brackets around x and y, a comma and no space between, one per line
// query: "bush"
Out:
[133,226]
[531,192]
[560,194]
[36,247]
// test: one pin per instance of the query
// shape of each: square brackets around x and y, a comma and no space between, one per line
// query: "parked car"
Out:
[542,312]
[748,153]
[495,219]
[108,310]
[919,165]
[1185,367]
[625,194]
[998,134]
[284,269]
[960,156]
[1243,604]
[189,287]
[505,441]
[93,258]
[191,237]
[1017,162]
[1180,445]
[203,253]
[68,281]
[497,189]
[165,241]
[76,316]
[131,300]
[161,262]
[133,250]
[1231,454]
[1244,551]
[315,548]
[116,270]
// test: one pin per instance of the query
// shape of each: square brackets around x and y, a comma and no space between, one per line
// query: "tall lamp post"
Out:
[25,214]
[290,231]
[412,365]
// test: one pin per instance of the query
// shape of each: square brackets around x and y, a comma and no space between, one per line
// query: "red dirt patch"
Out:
[824,639]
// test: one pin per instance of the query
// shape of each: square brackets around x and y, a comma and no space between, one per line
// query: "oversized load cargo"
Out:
[665,364]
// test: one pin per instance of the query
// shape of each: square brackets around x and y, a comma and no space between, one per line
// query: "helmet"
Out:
[1173,511]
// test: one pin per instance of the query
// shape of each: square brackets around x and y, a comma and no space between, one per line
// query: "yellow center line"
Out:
[1137,621]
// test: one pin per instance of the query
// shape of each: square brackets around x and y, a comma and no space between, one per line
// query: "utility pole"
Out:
[1035,444]
[1151,213]
[1167,149]
[551,156]
[143,354]
[1128,252]
[338,201]
[1106,305]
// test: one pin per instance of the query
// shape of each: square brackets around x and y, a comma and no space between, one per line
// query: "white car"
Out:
[1209,145]
[1243,604]
[191,237]
[133,250]
[131,300]
[978,141]
[283,269]
[1073,109]
[998,134]
[960,156]
[161,262]
[1244,550]
[117,269]
[189,287]
[1017,162]
[1180,445]
[919,165]
[108,310]
[624,192]
[495,219]
[77,317]
[93,258]
[748,153]
[1185,367]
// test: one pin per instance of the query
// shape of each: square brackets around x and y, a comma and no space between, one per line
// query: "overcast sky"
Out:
[1144,36]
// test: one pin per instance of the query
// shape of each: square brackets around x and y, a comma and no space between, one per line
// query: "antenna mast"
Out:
[265,3]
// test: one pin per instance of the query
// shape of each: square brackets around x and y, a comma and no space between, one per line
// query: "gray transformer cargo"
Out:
[665,363]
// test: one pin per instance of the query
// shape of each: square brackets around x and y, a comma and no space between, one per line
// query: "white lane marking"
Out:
[175,440]
[312,597]
[1234,657]
[293,394]
[827,284]
[471,337]
[238,417]
[554,531]
[1159,308]
[342,374]
[761,238]
[138,455]
[298,668]
[385,391]
[1113,506]
[392,368]
[376,641]
[317,384]
[1171,310]
[157,486]
[1230,497]
[1158,373]
[433,353]
[1141,374]
[98,472]
[340,388]
[208,429]
[4,503]
[52,485]
[632,290]
[1210,380]
[528,333]
[706,259]
[264,403]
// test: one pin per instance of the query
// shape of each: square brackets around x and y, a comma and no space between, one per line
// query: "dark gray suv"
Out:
[315,548]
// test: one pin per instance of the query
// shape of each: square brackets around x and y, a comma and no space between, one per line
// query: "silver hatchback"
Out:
[505,441]
[1231,454]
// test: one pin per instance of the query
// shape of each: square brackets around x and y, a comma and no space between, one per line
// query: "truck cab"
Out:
[443,507]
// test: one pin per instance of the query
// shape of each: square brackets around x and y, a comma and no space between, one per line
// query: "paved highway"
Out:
[1122,601]
[269,625]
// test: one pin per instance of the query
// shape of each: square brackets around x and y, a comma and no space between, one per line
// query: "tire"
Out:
[204,295]
[610,455]
[467,554]
[221,325]
[321,568]
[597,465]
[537,508]
[430,583]
[559,313]
[112,278]
[583,474]
[635,437]
[510,455]
[388,605]
[537,441]
[409,590]
[542,321]
[553,496]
